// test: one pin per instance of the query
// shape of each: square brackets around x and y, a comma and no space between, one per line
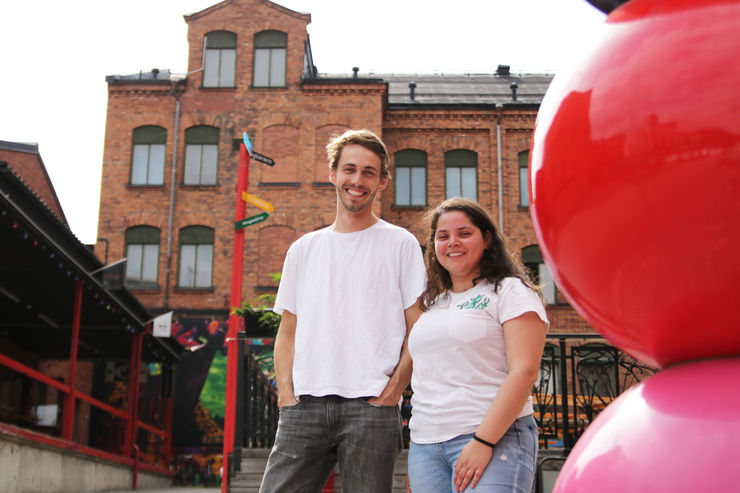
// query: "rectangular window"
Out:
[220,68]
[269,67]
[548,284]
[196,263]
[461,182]
[200,164]
[141,265]
[523,187]
[403,186]
[411,185]
[524,178]
[148,164]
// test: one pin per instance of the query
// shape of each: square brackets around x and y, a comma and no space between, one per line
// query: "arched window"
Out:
[524,178]
[142,257]
[147,155]
[196,257]
[219,61]
[201,155]
[540,272]
[411,177]
[270,56]
[461,174]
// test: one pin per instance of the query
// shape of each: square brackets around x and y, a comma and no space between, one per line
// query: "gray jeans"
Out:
[319,432]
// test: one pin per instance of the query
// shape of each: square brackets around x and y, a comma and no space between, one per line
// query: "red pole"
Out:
[237,260]
[68,419]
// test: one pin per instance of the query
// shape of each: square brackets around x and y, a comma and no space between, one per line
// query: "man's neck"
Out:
[349,222]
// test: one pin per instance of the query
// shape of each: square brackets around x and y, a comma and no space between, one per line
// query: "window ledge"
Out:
[159,186]
[279,184]
[214,89]
[268,88]
[198,289]
[397,207]
[522,207]
[190,186]
[322,184]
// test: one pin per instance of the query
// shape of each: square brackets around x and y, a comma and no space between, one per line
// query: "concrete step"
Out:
[254,461]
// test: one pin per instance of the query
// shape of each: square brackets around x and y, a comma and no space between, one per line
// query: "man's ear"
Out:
[332,176]
[383,184]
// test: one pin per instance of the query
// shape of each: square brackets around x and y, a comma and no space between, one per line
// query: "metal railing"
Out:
[580,374]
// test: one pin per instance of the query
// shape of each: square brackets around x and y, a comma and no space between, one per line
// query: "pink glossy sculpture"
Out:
[635,182]
[676,432]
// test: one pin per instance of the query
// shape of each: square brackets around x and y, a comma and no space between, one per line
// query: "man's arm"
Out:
[283,356]
[401,377]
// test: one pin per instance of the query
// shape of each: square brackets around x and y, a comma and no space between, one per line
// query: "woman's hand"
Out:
[470,464]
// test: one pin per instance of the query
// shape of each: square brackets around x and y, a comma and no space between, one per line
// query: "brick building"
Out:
[171,157]
[171,153]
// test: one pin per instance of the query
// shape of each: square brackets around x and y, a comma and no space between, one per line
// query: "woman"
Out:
[476,350]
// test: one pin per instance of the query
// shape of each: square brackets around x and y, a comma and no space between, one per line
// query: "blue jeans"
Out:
[319,432]
[511,470]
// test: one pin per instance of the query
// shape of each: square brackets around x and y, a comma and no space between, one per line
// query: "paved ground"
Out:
[179,489]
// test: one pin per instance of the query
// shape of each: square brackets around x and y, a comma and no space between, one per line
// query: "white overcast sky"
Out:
[56,54]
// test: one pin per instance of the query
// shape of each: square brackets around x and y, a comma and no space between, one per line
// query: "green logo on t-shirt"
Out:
[480,302]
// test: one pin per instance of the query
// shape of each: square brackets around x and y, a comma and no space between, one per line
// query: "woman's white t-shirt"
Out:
[459,356]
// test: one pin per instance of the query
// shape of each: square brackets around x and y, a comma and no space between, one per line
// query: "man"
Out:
[348,297]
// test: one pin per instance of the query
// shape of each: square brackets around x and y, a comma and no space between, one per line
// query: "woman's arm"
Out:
[524,337]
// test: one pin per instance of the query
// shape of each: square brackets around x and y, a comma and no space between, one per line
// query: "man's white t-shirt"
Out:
[459,356]
[349,292]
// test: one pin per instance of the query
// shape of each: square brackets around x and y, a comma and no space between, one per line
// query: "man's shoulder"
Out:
[306,239]
[394,231]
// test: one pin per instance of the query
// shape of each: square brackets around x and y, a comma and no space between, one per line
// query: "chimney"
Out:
[503,70]
[355,70]
[412,90]
[513,87]
[155,72]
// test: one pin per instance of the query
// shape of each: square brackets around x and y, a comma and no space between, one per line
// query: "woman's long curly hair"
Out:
[496,263]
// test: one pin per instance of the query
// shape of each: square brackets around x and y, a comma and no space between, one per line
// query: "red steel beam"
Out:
[68,417]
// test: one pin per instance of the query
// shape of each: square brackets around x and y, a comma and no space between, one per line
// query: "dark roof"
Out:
[33,148]
[40,263]
[154,76]
[466,89]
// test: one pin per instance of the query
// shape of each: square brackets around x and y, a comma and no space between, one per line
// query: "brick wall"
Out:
[291,125]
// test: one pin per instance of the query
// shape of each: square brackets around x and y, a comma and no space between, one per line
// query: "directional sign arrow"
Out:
[251,220]
[257,202]
[263,159]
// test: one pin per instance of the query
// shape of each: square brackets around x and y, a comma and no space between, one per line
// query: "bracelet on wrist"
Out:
[480,440]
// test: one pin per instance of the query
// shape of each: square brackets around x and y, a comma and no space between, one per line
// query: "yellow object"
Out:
[257,202]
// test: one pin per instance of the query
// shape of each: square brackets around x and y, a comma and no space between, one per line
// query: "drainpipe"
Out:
[500,177]
[172,198]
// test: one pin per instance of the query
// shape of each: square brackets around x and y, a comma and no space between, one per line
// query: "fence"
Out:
[580,374]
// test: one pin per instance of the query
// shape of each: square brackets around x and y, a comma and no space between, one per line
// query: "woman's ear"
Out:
[488,237]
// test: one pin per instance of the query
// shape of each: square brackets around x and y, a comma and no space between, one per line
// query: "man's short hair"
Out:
[365,138]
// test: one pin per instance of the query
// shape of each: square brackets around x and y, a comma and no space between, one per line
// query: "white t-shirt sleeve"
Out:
[516,299]
[286,295]
[412,277]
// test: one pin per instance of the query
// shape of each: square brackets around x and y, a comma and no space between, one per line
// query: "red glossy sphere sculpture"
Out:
[635,180]
[675,432]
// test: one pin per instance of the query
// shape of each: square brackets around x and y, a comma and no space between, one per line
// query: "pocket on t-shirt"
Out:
[467,328]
